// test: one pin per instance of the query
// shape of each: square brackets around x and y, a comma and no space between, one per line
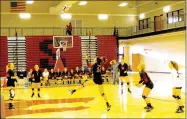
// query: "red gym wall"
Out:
[107,46]
[40,51]
[3,55]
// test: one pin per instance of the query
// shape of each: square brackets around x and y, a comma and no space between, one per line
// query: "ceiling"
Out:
[92,7]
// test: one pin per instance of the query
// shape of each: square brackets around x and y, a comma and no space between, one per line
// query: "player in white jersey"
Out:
[177,85]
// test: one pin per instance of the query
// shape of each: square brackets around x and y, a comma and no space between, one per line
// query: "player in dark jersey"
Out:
[12,78]
[65,75]
[59,75]
[145,80]
[123,68]
[72,77]
[97,80]
[36,77]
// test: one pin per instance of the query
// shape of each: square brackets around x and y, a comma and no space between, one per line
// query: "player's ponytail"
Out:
[175,66]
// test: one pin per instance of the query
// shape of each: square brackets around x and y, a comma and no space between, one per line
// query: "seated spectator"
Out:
[52,75]
[72,77]
[45,75]
[29,76]
[77,74]
[65,75]
[59,76]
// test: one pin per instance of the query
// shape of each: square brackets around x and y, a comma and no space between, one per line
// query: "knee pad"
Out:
[32,89]
[174,96]
[12,94]
[102,94]
[144,97]
[127,83]
[121,83]
[178,97]
[38,89]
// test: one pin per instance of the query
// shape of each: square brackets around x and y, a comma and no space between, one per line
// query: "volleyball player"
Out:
[145,80]
[177,85]
[12,78]
[123,68]
[97,80]
[36,77]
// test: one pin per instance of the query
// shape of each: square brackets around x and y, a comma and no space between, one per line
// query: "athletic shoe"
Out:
[108,107]
[146,107]
[72,91]
[180,111]
[149,109]
[129,90]
[32,95]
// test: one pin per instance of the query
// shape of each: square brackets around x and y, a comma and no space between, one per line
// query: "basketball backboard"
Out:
[58,41]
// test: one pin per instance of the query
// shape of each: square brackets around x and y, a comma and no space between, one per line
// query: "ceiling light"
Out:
[83,3]
[66,16]
[142,16]
[25,15]
[123,4]
[166,9]
[103,16]
[29,2]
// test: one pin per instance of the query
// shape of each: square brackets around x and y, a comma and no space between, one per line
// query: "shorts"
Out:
[178,87]
[10,84]
[98,81]
[124,74]
[36,85]
[150,85]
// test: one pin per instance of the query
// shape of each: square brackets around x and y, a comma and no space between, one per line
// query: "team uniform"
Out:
[145,80]
[72,77]
[29,77]
[77,76]
[59,76]
[11,84]
[177,86]
[65,76]
[52,76]
[83,75]
[36,82]
[104,75]
[123,68]
[90,74]
[97,74]
[46,78]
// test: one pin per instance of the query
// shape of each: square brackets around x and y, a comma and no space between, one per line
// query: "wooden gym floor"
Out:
[56,102]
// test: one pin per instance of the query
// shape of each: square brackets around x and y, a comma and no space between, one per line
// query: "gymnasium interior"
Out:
[137,32]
